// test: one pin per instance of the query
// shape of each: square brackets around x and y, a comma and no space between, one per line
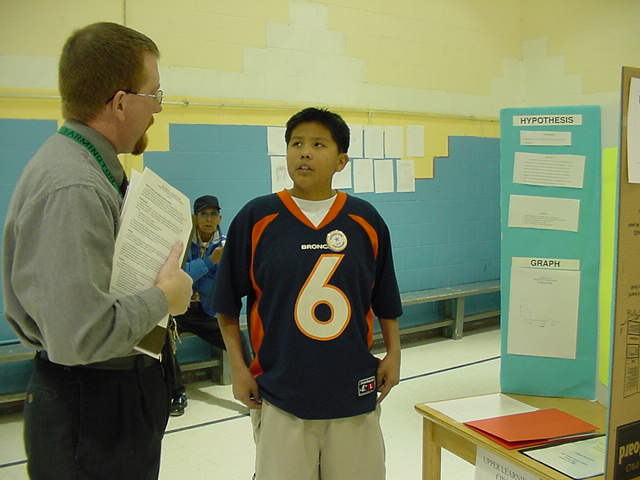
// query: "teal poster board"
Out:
[550,162]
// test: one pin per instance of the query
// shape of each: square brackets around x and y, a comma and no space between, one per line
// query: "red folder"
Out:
[532,428]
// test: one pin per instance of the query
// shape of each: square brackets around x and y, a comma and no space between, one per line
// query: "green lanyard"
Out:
[79,139]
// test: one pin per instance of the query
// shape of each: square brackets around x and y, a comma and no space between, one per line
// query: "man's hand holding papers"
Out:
[174,282]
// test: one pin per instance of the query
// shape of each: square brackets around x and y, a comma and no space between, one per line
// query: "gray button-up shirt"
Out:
[58,247]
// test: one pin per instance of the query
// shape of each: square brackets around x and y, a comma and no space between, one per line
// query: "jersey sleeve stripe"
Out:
[371,232]
[256,232]
[256,326]
[369,319]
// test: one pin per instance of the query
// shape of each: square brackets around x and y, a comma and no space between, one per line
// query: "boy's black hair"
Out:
[332,121]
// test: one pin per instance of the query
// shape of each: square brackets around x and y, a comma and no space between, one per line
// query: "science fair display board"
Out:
[623,447]
[550,164]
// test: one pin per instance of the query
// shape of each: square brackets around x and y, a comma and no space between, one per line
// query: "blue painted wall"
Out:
[445,233]
[19,140]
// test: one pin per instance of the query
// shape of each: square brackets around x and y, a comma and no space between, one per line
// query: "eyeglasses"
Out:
[158,96]
[209,214]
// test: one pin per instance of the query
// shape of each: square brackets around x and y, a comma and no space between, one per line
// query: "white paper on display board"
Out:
[549,170]
[362,175]
[545,138]
[393,142]
[491,466]
[546,213]
[415,141]
[342,179]
[356,141]
[383,175]
[276,144]
[280,178]
[406,176]
[543,307]
[373,141]
[633,131]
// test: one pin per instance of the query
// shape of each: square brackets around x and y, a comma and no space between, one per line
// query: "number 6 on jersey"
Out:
[317,291]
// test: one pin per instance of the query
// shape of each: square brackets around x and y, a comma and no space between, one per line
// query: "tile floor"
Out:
[213,439]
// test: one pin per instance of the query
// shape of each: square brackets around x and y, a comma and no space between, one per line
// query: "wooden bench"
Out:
[15,352]
[453,298]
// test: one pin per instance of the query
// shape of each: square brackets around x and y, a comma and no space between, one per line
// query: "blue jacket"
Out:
[203,271]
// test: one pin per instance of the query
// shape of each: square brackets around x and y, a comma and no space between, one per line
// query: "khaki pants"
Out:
[291,448]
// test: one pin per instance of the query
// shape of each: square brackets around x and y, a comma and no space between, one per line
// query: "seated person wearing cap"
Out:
[202,257]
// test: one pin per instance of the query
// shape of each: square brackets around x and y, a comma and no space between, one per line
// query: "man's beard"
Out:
[143,141]
[141,145]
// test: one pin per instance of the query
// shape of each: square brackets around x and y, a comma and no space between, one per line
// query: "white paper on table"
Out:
[633,131]
[543,307]
[342,179]
[491,466]
[276,144]
[280,179]
[155,217]
[383,174]
[415,140]
[547,213]
[544,138]
[355,141]
[393,142]
[549,170]
[480,407]
[406,172]
[362,175]
[579,460]
[373,141]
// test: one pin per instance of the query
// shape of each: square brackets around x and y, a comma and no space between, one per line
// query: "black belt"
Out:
[120,363]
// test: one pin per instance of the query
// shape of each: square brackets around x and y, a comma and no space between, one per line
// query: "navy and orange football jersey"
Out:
[312,293]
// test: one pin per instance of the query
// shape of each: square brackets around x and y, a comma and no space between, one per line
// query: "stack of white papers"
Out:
[155,216]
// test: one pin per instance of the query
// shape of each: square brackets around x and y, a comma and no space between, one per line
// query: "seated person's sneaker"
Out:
[178,404]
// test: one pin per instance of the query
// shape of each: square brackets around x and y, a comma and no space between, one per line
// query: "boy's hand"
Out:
[245,389]
[388,374]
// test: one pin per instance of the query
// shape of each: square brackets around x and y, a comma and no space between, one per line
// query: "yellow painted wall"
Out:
[451,46]
[209,34]
[40,27]
[595,37]
[454,47]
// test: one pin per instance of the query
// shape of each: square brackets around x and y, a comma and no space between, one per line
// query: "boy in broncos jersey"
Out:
[315,265]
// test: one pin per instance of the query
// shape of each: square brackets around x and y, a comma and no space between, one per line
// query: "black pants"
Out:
[86,423]
[198,322]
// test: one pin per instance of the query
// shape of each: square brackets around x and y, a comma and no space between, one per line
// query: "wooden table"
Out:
[440,431]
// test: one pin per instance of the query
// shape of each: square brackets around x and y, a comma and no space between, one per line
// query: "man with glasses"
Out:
[94,408]
[203,255]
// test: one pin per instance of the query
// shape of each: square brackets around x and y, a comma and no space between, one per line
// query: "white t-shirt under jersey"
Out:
[315,210]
